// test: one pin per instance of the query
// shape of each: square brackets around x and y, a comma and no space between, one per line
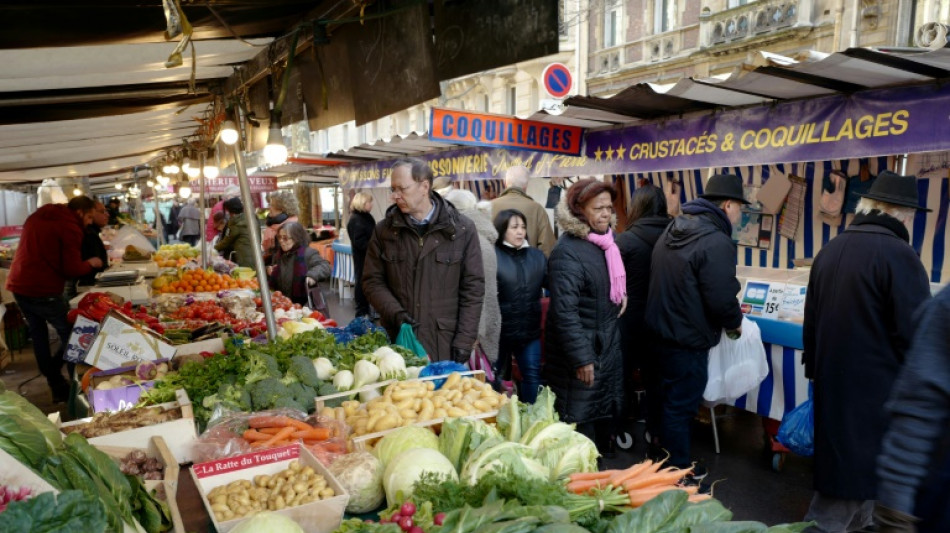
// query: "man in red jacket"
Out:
[48,254]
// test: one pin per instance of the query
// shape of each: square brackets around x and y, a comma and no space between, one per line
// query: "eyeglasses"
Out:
[400,191]
[285,238]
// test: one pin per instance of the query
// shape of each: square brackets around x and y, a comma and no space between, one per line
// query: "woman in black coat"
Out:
[521,275]
[360,229]
[583,364]
[647,219]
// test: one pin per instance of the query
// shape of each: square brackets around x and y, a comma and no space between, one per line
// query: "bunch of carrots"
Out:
[641,482]
[270,431]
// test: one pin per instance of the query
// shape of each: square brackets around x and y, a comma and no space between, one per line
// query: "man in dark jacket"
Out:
[49,254]
[424,267]
[913,469]
[691,299]
[864,288]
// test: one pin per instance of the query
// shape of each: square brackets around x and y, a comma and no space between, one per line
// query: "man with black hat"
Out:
[691,299]
[864,288]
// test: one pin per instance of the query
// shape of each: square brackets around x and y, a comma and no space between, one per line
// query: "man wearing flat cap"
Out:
[864,288]
[691,299]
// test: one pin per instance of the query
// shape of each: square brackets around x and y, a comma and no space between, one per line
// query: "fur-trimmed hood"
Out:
[570,224]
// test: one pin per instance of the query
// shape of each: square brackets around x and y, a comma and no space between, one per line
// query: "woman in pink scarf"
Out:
[584,365]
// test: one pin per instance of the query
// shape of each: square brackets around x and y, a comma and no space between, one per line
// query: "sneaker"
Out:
[699,472]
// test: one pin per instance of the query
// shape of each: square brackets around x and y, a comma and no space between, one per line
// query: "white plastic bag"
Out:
[736,366]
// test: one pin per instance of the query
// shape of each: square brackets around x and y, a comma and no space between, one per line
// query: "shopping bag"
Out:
[797,431]
[407,339]
[736,366]
[479,361]
[316,301]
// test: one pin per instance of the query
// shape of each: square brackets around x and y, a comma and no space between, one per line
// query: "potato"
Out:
[452,380]
[403,394]
[439,413]
[327,493]
[456,412]
[481,406]
[387,422]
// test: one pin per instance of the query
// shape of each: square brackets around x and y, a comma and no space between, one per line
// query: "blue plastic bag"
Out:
[797,431]
[441,368]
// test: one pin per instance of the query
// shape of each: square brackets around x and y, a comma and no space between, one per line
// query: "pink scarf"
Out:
[618,276]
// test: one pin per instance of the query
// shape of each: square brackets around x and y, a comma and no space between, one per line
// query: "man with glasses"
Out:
[424,266]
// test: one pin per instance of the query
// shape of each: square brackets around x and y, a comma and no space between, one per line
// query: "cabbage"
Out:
[361,475]
[461,436]
[403,439]
[407,468]
[568,455]
[267,522]
[499,455]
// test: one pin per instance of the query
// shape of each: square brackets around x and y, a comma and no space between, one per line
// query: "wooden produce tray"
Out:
[366,441]
[179,434]
[158,449]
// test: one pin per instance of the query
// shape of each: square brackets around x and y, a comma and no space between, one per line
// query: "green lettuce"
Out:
[497,455]
[12,403]
[567,455]
[70,512]
[461,436]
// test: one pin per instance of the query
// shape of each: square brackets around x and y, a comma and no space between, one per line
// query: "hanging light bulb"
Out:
[211,172]
[184,192]
[163,180]
[229,133]
[77,191]
[170,167]
[118,186]
[149,183]
[275,153]
[192,172]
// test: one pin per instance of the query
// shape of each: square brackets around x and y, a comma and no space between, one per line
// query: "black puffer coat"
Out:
[521,275]
[581,327]
[636,248]
[693,285]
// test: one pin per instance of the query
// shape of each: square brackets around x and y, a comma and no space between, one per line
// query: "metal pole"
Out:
[201,209]
[255,231]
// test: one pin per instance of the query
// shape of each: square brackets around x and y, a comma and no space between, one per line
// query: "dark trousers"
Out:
[362,304]
[599,431]
[528,355]
[684,373]
[190,239]
[651,376]
[38,312]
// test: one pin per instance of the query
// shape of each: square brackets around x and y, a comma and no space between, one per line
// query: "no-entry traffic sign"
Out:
[557,80]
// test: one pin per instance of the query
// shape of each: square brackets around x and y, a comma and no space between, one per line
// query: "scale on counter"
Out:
[115,278]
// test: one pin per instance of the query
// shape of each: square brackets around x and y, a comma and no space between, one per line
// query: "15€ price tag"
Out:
[762,298]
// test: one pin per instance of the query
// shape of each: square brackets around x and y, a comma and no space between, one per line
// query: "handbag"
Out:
[736,366]
[797,431]
[316,301]
[478,360]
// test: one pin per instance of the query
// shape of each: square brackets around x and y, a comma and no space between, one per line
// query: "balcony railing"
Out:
[753,20]
[606,61]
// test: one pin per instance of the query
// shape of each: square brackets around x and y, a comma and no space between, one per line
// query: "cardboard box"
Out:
[119,398]
[15,474]
[158,449]
[322,516]
[179,434]
[215,345]
[83,335]
[120,343]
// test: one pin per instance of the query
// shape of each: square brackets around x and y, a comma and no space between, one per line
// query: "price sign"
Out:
[793,303]
[762,298]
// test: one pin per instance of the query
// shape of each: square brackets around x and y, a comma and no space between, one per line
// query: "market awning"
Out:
[773,77]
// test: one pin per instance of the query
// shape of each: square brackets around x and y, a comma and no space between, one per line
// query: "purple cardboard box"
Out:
[120,398]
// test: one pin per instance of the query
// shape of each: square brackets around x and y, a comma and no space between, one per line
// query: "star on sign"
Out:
[597,154]
[620,151]
[610,153]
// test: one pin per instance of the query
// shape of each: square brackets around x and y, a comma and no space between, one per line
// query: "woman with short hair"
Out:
[296,266]
[360,229]
[283,208]
[236,244]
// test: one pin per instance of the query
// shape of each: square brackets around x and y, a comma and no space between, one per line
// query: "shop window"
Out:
[562,19]
[664,15]
[737,3]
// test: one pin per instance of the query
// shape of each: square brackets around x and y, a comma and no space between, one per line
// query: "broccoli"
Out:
[268,392]
[260,366]
[302,370]
[304,396]
[230,396]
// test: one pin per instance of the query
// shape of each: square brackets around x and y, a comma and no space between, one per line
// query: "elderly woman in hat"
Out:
[586,278]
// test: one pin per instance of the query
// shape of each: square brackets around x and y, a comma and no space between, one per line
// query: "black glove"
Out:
[406,319]
[461,355]
[892,521]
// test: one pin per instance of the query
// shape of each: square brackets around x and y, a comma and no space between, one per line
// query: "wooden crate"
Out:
[320,401]
[158,449]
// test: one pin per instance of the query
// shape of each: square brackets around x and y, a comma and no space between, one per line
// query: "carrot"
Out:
[640,497]
[696,498]
[279,436]
[667,476]
[269,431]
[638,469]
[263,444]
[254,435]
[584,485]
[278,421]
[587,476]
[312,433]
